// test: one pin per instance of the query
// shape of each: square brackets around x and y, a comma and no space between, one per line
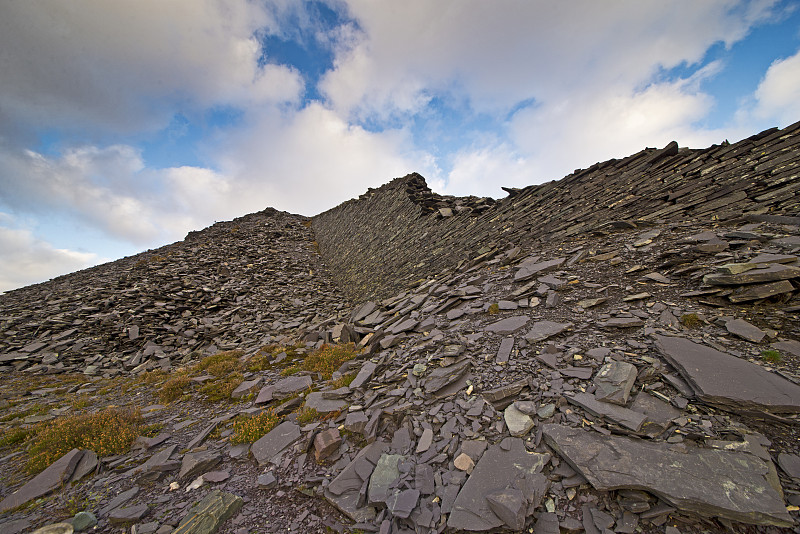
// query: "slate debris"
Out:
[615,333]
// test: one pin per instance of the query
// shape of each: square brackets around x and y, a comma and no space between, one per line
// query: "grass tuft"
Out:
[328,358]
[250,429]
[771,356]
[691,320]
[494,309]
[173,388]
[110,431]
[307,415]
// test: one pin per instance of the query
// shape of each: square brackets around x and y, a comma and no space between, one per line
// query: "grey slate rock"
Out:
[614,382]
[760,291]
[209,514]
[509,505]
[528,270]
[385,472]
[49,480]
[743,329]
[318,401]
[497,469]
[196,463]
[517,422]
[790,463]
[727,381]
[542,330]
[128,514]
[83,521]
[364,375]
[275,441]
[443,376]
[344,490]
[612,462]
[508,325]
[773,273]
[402,503]
[618,414]
[283,388]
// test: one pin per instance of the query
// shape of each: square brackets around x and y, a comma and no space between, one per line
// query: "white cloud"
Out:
[499,54]
[128,64]
[29,260]
[778,95]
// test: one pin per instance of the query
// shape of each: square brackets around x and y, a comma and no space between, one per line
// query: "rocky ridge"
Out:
[522,369]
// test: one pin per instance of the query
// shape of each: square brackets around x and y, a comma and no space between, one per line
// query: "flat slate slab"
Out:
[530,269]
[773,273]
[508,325]
[344,491]
[208,515]
[711,482]
[745,330]
[284,388]
[618,414]
[726,381]
[49,480]
[542,330]
[275,441]
[497,469]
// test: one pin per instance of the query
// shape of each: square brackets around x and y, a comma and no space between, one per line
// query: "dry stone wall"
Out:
[392,236]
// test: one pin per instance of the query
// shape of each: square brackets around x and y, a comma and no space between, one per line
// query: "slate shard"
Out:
[275,441]
[209,514]
[497,469]
[49,480]
[727,484]
[729,382]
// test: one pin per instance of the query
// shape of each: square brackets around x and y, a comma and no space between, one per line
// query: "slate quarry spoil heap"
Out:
[617,351]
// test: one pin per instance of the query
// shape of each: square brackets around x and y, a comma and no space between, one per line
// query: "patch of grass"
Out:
[15,436]
[328,358]
[691,320]
[494,309]
[110,431]
[221,388]
[250,429]
[220,364]
[292,370]
[81,402]
[354,438]
[151,377]
[173,388]
[265,358]
[771,356]
[343,381]
[307,415]
[151,431]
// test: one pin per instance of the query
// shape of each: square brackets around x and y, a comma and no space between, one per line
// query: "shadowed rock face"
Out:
[618,350]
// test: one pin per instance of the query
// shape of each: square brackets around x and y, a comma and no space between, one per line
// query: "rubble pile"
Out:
[637,373]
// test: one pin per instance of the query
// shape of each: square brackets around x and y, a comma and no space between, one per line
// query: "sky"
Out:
[126,124]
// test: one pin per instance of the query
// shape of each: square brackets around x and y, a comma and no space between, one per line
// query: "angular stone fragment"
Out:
[209,514]
[743,329]
[505,349]
[283,388]
[528,269]
[356,422]
[275,441]
[658,413]
[618,414]
[383,475]
[49,480]
[195,463]
[760,291]
[425,441]
[772,273]
[245,388]
[326,443]
[499,467]
[364,375]
[508,325]
[509,505]
[614,382]
[622,322]
[790,463]
[442,376]
[726,484]
[790,345]
[542,330]
[402,503]
[128,514]
[517,422]
[344,490]
[318,401]
[726,381]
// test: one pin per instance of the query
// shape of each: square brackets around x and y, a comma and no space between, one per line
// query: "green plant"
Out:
[219,364]
[110,431]
[328,358]
[173,388]
[221,388]
[250,429]
[343,381]
[15,436]
[691,320]
[771,356]
[307,415]
[494,309]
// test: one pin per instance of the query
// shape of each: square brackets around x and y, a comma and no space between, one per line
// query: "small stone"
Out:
[517,422]
[83,520]
[464,463]
[402,503]
[267,480]
[614,382]
[745,330]
[326,443]
[208,515]
[542,330]
[425,441]
[509,505]
[128,514]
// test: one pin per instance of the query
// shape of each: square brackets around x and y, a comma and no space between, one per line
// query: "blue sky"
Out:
[124,125]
